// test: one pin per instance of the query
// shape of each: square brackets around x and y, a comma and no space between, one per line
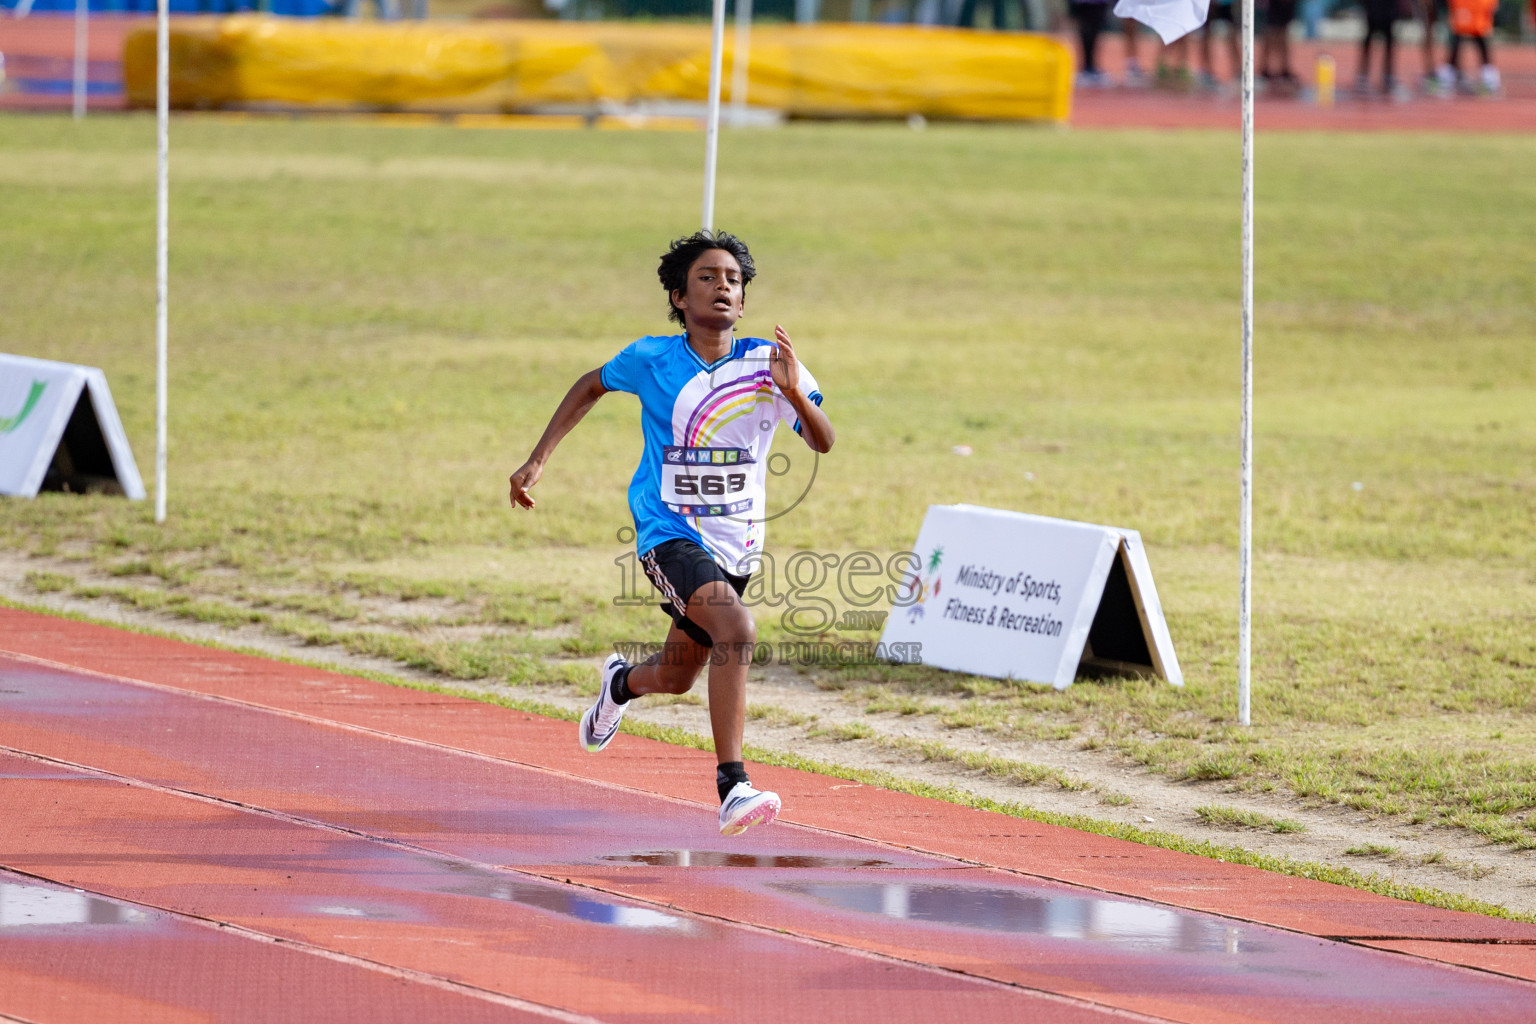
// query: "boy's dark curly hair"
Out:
[680,255]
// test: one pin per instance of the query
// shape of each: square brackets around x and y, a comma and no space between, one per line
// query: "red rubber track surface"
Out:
[183,825]
[39,55]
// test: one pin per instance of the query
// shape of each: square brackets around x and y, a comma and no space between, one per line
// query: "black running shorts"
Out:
[678,568]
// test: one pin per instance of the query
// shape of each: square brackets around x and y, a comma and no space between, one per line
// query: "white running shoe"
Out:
[745,807]
[600,723]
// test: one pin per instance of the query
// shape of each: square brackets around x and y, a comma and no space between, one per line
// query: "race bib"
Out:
[706,481]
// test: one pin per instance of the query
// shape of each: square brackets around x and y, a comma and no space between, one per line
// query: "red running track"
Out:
[194,834]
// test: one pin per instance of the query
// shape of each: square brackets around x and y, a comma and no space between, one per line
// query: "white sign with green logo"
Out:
[60,430]
[1016,596]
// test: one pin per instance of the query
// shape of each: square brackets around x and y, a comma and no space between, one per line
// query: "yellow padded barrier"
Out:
[806,71]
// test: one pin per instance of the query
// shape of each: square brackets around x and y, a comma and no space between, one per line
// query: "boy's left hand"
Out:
[782,362]
[785,369]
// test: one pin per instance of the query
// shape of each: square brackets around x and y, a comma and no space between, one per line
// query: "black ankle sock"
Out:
[619,691]
[727,775]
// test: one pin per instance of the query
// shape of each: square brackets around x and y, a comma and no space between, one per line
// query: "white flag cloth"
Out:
[1170,19]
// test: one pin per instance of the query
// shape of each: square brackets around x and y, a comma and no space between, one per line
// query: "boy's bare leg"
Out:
[720,612]
[674,670]
[716,607]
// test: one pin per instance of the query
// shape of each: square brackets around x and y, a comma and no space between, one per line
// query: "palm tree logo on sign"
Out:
[927,585]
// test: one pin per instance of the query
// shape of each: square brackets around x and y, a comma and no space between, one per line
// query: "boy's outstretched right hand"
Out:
[522,480]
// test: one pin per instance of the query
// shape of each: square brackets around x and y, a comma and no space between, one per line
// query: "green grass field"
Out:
[372,322]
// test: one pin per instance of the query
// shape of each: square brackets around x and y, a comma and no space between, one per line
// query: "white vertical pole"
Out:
[712,126]
[1245,524]
[741,55]
[162,239]
[82,28]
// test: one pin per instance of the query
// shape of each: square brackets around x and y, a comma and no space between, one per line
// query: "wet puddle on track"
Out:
[555,900]
[720,859]
[1084,918]
[30,906]
[365,913]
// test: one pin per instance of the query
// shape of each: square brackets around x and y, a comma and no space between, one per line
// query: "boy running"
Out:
[709,405]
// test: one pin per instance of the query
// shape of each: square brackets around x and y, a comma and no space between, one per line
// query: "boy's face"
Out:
[716,295]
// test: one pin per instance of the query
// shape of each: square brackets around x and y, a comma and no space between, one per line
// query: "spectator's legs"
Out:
[1425,9]
[1133,72]
[1090,23]
[1097,13]
[1491,83]
[1276,50]
[1278,16]
[1173,63]
[1207,59]
[1379,15]
[1388,78]
[1234,44]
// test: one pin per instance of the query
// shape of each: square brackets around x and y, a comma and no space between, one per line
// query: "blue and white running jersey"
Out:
[708,429]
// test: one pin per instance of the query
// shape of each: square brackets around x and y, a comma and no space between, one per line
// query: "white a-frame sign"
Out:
[59,431]
[1016,596]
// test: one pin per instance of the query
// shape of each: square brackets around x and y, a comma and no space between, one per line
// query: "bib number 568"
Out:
[709,484]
